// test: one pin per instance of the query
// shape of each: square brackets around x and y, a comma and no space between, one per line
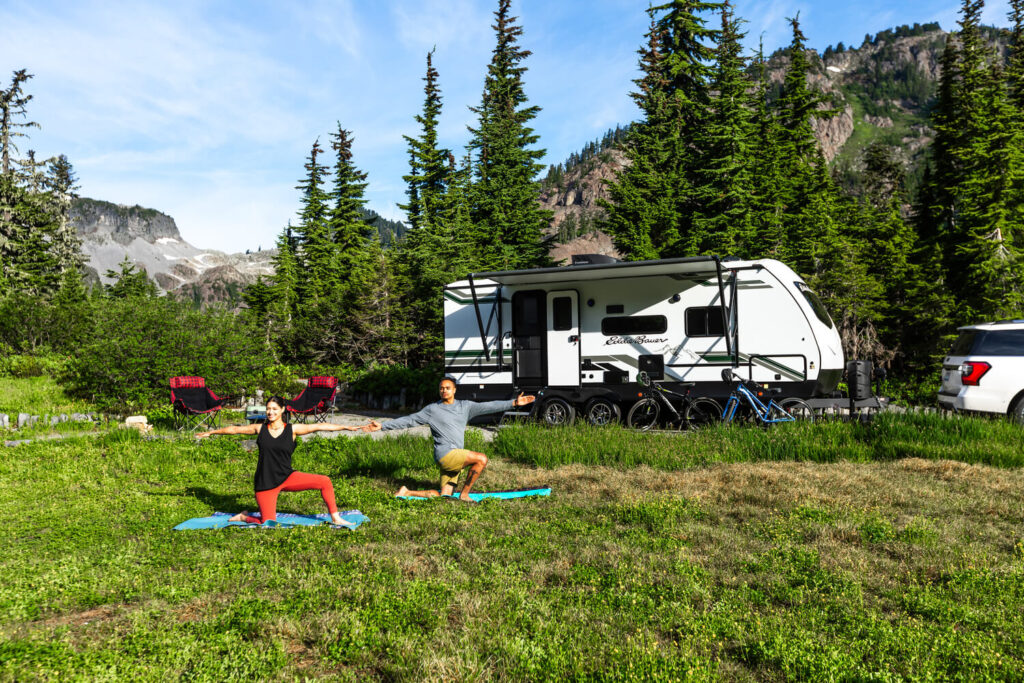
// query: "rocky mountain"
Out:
[151,240]
[882,90]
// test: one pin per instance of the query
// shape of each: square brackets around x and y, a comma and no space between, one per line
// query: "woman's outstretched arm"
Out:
[239,429]
[299,430]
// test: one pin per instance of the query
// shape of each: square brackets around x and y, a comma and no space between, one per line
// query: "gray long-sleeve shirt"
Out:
[448,422]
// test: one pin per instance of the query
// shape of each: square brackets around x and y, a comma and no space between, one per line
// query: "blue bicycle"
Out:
[745,404]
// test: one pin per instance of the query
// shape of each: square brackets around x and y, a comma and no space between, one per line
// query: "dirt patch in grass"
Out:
[97,614]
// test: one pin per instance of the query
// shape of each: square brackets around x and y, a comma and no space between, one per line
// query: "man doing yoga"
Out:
[276,443]
[447,419]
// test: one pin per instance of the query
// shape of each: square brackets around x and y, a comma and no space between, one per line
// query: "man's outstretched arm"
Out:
[413,420]
[488,407]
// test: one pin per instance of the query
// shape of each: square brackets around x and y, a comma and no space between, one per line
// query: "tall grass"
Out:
[887,437]
[37,396]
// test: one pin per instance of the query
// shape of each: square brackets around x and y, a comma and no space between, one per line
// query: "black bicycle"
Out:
[693,412]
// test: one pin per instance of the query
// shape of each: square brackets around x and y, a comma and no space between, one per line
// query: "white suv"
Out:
[984,372]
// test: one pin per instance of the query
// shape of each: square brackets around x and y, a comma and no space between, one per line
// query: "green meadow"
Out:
[887,551]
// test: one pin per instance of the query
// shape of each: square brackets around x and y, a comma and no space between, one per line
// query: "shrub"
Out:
[140,343]
[24,366]
[420,384]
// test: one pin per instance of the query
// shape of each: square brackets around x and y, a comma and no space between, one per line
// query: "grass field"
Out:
[882,552]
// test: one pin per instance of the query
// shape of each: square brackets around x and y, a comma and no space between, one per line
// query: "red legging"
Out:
[296,481]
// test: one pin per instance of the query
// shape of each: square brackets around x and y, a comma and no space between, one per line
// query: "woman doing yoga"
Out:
[276,443]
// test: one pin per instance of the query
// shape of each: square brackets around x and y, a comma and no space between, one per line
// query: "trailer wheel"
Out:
[557,412]
[703,412]
[799,409]
[644,414]
[601,411]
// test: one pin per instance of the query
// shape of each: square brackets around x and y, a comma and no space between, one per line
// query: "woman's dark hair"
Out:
[276,399]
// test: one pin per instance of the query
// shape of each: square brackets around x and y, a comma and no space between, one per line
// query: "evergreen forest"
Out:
[722,160]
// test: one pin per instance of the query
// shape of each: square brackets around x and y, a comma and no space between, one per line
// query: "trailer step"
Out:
[511,416]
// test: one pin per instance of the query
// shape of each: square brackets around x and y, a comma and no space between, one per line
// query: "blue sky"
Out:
[206,110]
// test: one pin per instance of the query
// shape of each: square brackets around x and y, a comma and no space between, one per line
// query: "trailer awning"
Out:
[693,267]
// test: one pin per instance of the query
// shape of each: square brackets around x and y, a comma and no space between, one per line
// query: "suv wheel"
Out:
[1017,411]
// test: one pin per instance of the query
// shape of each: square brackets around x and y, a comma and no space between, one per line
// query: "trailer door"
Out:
[563,337]
[528,328]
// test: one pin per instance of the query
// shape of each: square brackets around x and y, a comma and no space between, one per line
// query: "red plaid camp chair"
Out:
[195,406]
[316,400]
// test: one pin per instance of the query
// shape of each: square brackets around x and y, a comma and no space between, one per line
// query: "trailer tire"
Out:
[644,414]
[557,412]
[799,409]
[602,411]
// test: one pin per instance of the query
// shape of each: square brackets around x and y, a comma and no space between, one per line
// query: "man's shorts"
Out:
[453,462]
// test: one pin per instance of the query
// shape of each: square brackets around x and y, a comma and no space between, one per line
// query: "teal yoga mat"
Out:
[285,520]
[502,495]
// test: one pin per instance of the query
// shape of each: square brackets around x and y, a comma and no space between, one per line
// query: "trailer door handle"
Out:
[573,338]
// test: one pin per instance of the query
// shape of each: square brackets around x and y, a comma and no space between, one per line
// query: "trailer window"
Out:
[634,324]
[705,321]
[561,313]
[816,305]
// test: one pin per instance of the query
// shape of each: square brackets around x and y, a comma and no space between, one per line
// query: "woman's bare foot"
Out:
[403,491]
[336,519]
[240,517]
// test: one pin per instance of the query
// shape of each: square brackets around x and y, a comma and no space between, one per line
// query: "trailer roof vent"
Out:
[592,259]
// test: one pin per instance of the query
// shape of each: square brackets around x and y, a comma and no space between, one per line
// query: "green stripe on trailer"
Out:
[780,368]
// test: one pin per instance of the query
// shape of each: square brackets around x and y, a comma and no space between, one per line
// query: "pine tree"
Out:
[348,228]
[13,104]
[805,179]
[27,262]
[284,289]
[428,163]
[653,201]
[721,223]
[383,332]
[1015,125]
[641,211]
[62,185]
[316,255]
[767,208]
[508,220]
[975,166]
[129,283]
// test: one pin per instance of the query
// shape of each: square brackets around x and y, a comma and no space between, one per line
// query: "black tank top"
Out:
[275,461]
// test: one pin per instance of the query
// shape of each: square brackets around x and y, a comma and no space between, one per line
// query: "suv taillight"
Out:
[971,372]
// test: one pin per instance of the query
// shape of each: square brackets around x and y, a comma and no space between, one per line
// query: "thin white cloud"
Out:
[423,24]
[333,22]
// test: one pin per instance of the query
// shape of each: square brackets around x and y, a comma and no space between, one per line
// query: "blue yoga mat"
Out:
[518,493]
[285,520]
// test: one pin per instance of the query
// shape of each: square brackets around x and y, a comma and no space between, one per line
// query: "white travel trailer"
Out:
[579,334]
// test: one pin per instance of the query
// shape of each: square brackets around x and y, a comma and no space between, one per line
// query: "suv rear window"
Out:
[962,345]
[999,343]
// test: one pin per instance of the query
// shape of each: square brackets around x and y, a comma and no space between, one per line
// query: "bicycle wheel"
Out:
[743,414]
[702,412]
[644,414]
[799,409]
